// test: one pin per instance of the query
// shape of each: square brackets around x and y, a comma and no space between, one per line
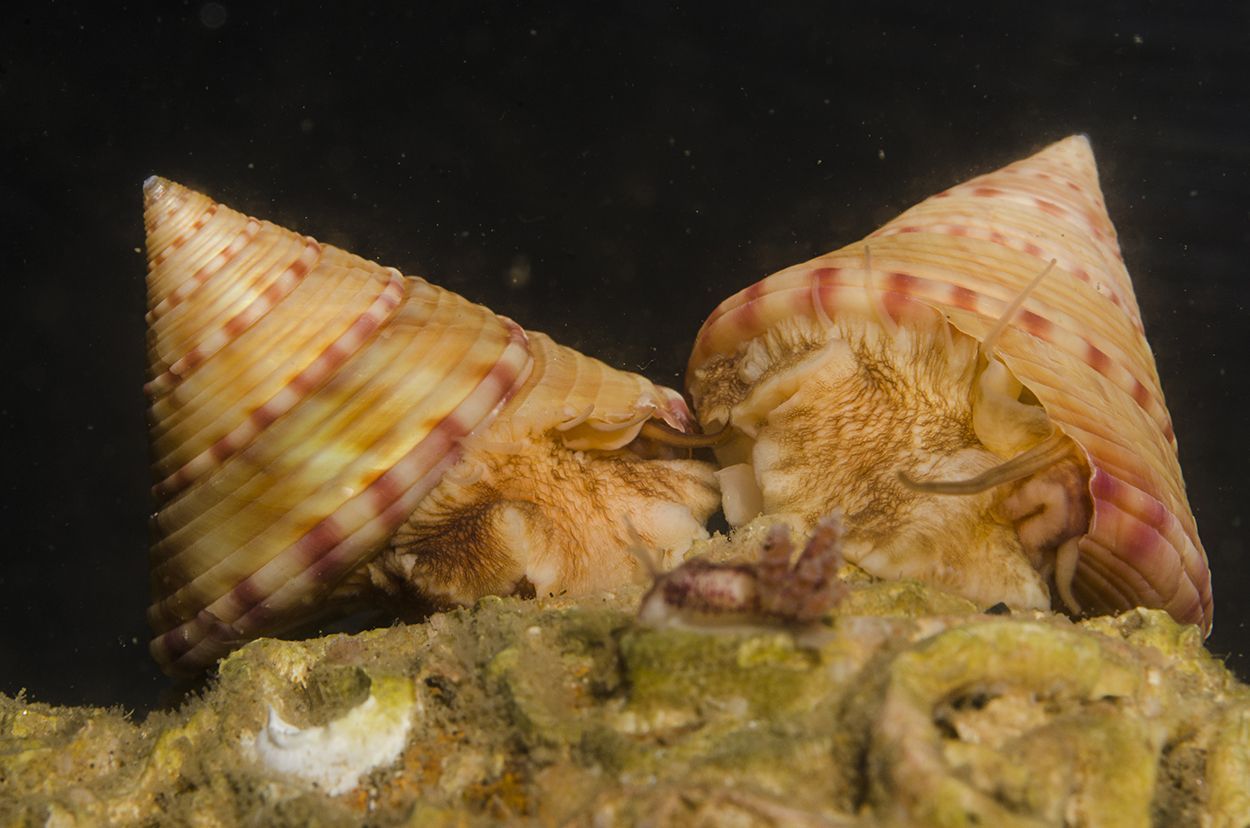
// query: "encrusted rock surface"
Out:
[905,706]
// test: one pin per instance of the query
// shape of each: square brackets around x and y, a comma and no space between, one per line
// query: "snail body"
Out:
[971,386]
[326,430]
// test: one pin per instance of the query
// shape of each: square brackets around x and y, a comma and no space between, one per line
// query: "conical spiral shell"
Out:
[304,402]
[1077,344]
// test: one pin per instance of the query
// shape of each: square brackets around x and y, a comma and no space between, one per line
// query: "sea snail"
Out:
[971,386]
[325,430]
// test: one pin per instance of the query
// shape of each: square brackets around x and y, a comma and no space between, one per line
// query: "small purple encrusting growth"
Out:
[806,591]
[702,593]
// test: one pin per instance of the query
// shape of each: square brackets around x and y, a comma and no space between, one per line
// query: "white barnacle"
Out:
[336,755]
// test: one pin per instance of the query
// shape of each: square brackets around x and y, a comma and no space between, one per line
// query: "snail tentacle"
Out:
[1044,455]
[669,436]
[876,299]
[991,339]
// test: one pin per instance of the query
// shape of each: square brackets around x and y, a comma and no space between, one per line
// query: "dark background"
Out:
[639,164]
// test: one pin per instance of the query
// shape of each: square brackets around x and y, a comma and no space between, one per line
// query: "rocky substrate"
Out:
[903,706]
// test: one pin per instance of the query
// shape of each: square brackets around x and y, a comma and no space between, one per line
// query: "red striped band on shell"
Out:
[302,384]
[245,317]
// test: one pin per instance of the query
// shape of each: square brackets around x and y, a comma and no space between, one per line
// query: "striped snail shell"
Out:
[972,386]
[327,431]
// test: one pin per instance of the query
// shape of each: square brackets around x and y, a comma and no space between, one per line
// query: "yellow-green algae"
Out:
[905,707]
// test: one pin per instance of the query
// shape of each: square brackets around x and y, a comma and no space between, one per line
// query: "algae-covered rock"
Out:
[905,706]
